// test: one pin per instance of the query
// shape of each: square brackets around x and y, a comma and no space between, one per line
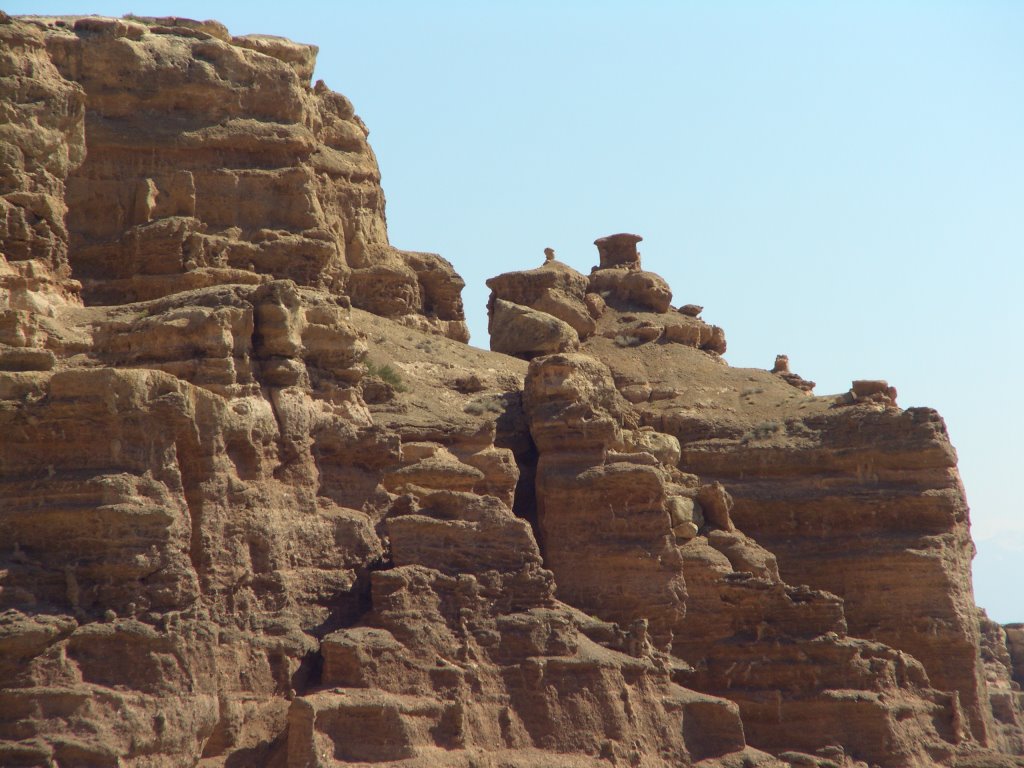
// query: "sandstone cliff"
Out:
[261,505]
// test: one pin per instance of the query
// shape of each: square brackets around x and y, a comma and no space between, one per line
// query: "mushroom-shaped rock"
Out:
[618,250]
[527,333]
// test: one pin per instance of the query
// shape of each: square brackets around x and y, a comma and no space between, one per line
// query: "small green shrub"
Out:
[387,374]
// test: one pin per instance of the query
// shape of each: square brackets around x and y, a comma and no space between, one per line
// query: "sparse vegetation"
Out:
[764,431]
[796,428]
[489,404]
[387,374]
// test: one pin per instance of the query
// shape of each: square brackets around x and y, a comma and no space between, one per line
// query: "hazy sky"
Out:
[841,182]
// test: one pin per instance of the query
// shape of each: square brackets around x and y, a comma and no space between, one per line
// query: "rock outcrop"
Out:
[560,293]
[625,535]
[216,162]
[261,505]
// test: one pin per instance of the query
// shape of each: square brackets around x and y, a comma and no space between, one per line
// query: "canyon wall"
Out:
[261,505]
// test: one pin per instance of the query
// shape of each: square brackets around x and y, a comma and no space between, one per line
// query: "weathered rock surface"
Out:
[1015,647]
[260,505]
[1004,694]
[781,369]
[528,310]
[621,532]
[554,288]
[216,162]
[851,494]
[523,332]
[41,141]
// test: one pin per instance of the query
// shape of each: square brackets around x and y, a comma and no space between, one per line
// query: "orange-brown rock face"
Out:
[998,654]
[850,493]
[260,505]
[863,502]
[1015,647]
[605,529]
[42,141]
[215,162]
[626,536]
[232,530]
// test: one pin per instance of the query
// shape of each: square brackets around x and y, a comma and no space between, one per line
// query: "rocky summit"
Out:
[261,504]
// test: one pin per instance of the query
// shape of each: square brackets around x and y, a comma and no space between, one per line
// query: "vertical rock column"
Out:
[600,504]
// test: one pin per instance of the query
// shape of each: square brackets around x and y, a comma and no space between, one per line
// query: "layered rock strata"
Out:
[260,505]
[749,429]
[625,534]
[211,160]
[215,553]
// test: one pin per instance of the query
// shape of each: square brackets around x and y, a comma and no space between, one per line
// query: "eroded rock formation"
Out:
[260,504]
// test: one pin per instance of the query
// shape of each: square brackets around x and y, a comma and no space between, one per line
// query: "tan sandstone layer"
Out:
[260,504]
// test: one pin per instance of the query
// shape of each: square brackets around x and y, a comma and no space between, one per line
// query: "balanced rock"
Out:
[554,288]
[631,289]
[526,333]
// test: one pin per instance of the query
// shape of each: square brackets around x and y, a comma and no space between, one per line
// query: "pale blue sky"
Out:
[842,182]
